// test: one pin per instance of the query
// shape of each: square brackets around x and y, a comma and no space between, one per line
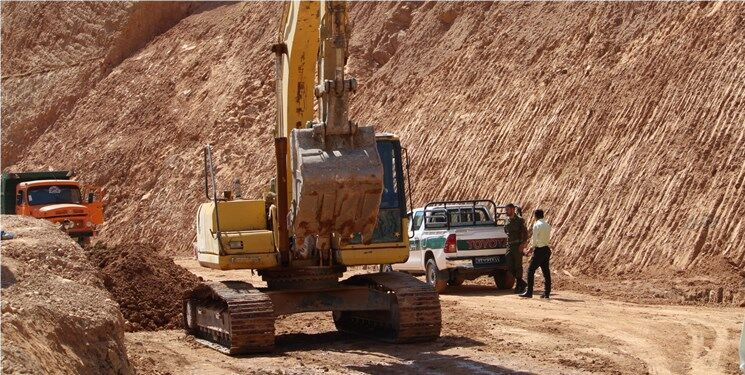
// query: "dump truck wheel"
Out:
[435,277]
[504,280]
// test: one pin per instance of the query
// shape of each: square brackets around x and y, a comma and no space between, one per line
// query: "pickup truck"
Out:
[454,241]
[55,197]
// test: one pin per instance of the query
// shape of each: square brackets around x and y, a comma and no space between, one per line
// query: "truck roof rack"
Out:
[438,211]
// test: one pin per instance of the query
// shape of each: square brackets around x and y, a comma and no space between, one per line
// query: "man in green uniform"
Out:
[517,235]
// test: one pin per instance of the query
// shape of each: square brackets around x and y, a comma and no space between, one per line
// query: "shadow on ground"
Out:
[475,290]
[415,358]
[490,291]
[7,277]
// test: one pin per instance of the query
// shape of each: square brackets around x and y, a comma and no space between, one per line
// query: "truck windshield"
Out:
[53,194]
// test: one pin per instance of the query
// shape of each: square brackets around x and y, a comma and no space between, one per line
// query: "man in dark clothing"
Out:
[541,255]
[517,236]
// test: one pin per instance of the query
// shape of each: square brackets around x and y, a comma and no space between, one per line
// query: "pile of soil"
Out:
[148,287]
[57,317]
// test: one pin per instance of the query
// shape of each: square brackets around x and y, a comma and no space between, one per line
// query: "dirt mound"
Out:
[56,315]
[622,120]
[147,286]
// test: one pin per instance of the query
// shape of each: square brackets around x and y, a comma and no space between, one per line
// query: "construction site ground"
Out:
[484,331]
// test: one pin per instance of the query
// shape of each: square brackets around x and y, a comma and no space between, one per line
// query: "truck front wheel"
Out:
[435,276]
[504,280]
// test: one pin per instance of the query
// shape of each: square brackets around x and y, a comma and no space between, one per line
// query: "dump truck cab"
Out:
[54,197]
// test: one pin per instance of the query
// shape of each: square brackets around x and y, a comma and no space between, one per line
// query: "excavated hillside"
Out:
[54,54]
[625,121]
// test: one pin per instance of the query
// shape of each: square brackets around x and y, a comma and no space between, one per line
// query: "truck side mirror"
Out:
[90,197]
[19,199]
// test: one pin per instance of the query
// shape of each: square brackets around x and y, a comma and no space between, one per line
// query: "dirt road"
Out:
[484,332]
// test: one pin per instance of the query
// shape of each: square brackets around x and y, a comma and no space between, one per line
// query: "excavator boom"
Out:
[335,178]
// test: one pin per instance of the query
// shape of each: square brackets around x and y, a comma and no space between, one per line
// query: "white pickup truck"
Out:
[451,242]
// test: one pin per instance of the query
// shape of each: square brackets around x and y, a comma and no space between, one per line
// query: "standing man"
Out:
[541,255]
[517,235]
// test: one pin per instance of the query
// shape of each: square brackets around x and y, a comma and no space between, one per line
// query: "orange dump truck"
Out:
[54,197]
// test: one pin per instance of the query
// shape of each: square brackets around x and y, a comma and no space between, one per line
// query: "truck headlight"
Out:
[236,244]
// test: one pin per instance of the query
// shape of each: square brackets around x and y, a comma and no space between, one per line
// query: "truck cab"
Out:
[53,196]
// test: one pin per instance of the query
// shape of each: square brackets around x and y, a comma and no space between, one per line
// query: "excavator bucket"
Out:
[338,184]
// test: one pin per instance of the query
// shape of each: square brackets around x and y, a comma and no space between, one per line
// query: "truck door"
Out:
[21,202]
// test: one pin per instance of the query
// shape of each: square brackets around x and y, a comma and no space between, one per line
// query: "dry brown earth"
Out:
[57,318]
[148,287]
[623,120]
[55,53]
[484,332]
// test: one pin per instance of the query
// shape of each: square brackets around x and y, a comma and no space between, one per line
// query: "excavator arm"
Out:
[332,178]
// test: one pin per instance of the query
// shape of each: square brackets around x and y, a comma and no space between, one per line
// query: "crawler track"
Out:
[415,314]
[231,316]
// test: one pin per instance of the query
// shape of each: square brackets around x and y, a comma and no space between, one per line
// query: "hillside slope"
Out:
[54,54]
[624,121]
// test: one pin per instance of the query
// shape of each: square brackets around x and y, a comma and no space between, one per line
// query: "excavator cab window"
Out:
[390,159]
[393,199]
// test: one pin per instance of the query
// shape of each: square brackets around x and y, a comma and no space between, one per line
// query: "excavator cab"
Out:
[389,239]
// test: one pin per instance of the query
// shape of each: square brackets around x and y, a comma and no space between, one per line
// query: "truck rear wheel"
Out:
[435,277]
[504,280]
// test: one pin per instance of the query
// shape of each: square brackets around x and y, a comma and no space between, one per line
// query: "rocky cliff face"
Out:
[624,121]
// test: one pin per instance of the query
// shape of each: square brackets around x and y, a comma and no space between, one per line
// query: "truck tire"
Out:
[435,277]
[504,280]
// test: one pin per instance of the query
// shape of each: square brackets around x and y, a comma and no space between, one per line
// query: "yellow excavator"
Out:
[338,200]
